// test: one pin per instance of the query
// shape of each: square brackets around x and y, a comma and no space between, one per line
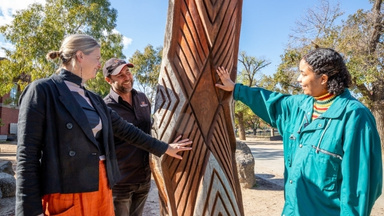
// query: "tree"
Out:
[40,28]
[247,76]
[147,69]
[362,44]
[360,39]
[317,23]
[285,79]
[315,28]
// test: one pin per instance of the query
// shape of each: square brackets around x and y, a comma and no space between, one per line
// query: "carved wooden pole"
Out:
[200,36]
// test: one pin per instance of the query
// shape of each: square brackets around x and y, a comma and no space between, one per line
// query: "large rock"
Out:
[7,185]
[245,165]
[7,206]
[6,167]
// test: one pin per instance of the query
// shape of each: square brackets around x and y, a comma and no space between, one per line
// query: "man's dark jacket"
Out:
[57,151]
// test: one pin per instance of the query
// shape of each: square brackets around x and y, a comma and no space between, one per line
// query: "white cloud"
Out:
[126,42]
[9,8]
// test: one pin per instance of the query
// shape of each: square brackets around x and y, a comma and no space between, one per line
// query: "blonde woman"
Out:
[66,162]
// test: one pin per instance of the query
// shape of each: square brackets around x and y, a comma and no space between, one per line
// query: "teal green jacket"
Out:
[333,165]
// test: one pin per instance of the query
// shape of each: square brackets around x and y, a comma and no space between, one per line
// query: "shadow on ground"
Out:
[263,184]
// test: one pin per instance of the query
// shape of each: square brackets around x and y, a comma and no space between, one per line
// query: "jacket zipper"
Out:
[322,135]
[327,152]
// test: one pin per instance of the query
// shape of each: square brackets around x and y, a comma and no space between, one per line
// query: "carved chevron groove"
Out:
[200,36]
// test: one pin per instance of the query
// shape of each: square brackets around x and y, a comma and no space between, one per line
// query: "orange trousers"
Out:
[97,203]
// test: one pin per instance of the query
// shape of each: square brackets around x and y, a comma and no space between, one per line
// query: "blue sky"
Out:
[264,31]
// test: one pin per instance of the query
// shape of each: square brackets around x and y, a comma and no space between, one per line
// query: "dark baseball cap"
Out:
[113,66]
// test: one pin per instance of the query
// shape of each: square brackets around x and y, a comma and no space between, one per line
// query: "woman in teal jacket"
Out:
[332,151]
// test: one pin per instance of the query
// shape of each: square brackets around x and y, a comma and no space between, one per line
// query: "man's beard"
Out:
[123,89]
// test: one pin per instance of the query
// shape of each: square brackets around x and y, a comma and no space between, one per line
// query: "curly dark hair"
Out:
[329,62]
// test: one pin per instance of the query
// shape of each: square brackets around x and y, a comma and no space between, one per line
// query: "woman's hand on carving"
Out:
[228,84]
[178,146]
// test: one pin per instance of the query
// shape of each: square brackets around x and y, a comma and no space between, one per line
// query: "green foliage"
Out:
[39,29]
[269,83]
[147,69]
[353,38]
[364,54]
[317,27]
[111,47]
[286,76]
[361,42]
[250,120]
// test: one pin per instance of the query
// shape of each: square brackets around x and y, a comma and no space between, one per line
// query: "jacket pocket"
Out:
[322,168]
[68,212]
[59,204]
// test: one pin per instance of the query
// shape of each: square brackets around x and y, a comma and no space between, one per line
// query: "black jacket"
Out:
[57,152]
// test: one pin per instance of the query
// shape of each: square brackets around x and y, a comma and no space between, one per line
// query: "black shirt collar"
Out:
[71,77]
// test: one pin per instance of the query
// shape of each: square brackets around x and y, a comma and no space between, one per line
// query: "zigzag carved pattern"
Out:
[220,147]
[204,35]
[221,202]
[185,174]
[167,101]
[190,50]
[216,197]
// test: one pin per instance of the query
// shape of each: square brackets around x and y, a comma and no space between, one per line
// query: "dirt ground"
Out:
[266,198]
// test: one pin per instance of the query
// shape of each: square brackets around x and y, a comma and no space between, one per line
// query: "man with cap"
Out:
[131,192]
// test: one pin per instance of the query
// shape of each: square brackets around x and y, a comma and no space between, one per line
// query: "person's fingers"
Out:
[219,70]
[177,156]
[185,141]
[177,138]
[222,70]
[223,75]
[183,148]
[181,145]
[179,148]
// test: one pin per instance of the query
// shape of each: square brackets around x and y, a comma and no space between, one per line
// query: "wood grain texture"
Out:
[200,36]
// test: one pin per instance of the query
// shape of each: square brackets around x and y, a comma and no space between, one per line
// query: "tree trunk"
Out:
[378,113]
[240,119]
[272,131]
[377,108]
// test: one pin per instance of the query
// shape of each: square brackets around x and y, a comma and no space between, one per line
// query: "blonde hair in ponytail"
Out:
[69,47]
